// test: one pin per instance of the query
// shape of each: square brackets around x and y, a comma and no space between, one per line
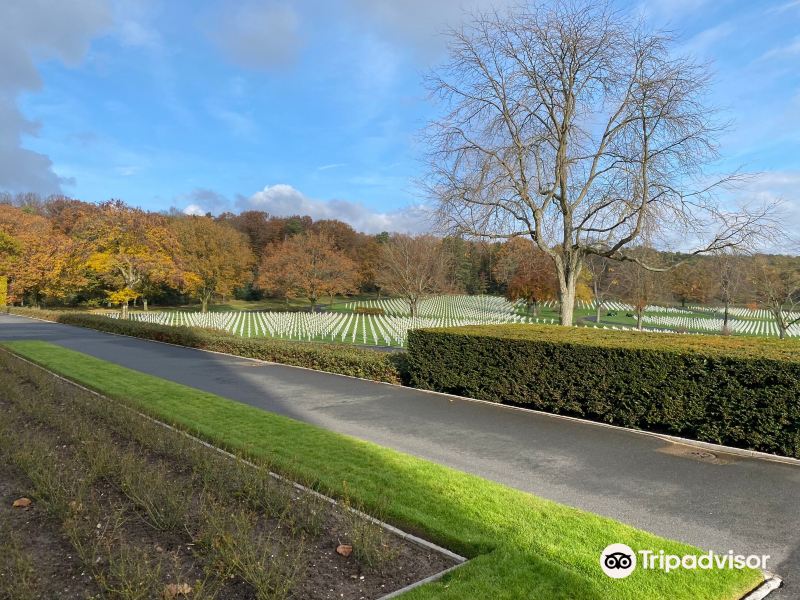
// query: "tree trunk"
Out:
[598,310]
[568,270]
[779,321]
[125,310]
[413,305]
[725,319]
[144,304]
[567,305]
[204,304]
[639,315]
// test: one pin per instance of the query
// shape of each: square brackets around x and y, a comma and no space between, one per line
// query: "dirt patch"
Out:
[121,503]
[55,570]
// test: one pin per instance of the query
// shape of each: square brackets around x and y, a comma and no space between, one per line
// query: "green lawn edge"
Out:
[520,546]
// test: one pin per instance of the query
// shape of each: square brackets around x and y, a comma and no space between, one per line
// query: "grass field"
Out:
[520,546]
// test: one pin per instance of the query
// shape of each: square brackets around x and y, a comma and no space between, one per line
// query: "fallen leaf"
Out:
[173,590]
[344,549]
[22,503]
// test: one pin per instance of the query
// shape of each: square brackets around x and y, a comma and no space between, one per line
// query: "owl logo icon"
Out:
[618,561]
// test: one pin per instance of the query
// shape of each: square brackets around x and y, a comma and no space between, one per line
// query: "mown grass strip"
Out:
[521,546]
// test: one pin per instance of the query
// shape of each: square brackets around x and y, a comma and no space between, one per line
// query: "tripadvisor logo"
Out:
[618,561]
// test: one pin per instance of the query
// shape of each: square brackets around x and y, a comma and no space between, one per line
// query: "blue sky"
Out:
[314,106]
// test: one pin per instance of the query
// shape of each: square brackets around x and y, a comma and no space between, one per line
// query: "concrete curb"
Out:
[420,583]
[404,535]
[712,447]
[770,584]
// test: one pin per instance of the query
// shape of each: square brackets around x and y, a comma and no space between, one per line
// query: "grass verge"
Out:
[521,546]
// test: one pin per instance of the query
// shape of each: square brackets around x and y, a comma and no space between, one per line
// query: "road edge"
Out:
[730,450]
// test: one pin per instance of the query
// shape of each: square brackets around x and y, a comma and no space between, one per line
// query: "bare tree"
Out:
[776,282]
[574,126]
[413,267]
[604,275]
[728,270]
[639,286]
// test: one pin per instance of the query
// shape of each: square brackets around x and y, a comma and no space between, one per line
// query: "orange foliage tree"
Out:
[129,249]
[527,272]
[214,257]
[39,262]
[307,266]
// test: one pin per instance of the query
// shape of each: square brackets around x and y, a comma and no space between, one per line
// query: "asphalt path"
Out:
[747,505]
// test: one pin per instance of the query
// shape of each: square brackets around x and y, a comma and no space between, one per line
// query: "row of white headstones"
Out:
[391,328]
[377,330]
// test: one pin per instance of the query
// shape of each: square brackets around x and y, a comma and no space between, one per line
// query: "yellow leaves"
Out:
[37,258]
[583,292]
[100,262]
[122,296]
[191,282]
[214,257]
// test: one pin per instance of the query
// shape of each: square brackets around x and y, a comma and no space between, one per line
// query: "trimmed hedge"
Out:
[342,359]
[37,313]
[742,392]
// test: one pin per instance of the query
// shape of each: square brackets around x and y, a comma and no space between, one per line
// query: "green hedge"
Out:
[36,313]
[742,392]
[342,359]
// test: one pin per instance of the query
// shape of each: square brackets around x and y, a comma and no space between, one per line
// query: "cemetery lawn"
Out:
[520,546]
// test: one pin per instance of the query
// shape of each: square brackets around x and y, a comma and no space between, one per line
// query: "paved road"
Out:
[746,505]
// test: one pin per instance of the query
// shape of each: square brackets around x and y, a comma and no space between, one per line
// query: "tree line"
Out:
[62,251]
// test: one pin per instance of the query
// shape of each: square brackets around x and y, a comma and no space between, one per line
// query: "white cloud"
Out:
[36,30]
[194,209]
[703,44]
[782,187]
[418,23]
[784,7]
[133,24]
[786,51]
[284,200]
[240,124]
[669,11]
[202,201]
[258,35]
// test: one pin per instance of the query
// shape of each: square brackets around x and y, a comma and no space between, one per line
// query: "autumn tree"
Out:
[129,249]
[260,229]
[40,263]
[692,282]
[9,250]
[413,268]
[575,126]
[213,257]
[527,272]
[307,266]
[776,283]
